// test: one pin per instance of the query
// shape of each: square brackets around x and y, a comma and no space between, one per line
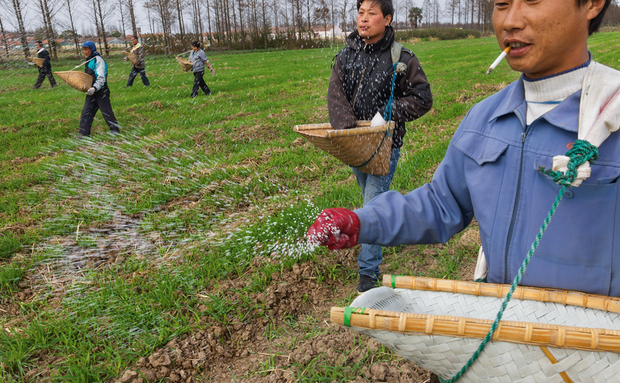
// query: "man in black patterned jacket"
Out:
[359,89]
[46,69]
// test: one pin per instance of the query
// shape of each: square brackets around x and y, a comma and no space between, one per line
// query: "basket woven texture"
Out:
[544,336]
[39,62]
[78,80]
[363,147]
[131,56]
[186,65]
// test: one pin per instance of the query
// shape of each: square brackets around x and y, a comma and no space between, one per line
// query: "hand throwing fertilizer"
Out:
[546,335]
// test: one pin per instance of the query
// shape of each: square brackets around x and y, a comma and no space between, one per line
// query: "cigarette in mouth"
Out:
[498,59]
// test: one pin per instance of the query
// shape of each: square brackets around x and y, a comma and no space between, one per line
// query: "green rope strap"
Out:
[581,152]
[351,310]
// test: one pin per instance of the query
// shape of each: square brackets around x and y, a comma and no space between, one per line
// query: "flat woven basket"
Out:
[39,62]
[363,147]
[78,80]
[186,65]
[131,57]
[544,335]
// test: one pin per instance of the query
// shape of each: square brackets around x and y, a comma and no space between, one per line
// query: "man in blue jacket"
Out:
[98,95]
[491,169]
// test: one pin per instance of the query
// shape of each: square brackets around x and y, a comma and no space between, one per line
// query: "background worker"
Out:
[199,59]
[491,167]
[138,65]
[98,95]
[46,69]
[359,89]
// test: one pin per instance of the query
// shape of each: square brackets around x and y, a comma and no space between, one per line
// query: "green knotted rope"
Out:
[581,152]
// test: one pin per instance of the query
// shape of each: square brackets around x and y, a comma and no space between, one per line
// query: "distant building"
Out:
[325,32]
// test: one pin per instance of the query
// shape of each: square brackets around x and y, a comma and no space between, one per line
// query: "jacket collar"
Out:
[564,116]
[385,42]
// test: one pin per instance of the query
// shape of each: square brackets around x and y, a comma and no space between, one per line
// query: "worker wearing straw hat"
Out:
[506,167]
[46,69]
[360,88]
[198,59]
[98,95]
[138,66]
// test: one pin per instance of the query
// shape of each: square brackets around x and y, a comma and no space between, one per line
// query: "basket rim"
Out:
[361,129]
[536,334]
[564,297]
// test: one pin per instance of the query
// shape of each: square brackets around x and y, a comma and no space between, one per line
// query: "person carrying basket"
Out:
[199,59]
[138,65]
[45,70]
[98,95]
[360,88]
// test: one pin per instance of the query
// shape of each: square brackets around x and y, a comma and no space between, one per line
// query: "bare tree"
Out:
[51,8]
[122,26]
[321,13]
[197,19]
[239,4]
[309,18]
[132,16]
[275,16]
[71,6]
[451,9]
[265,27]
[209,20]
[18,12]
[4,39]
[180,6]
[164,11]
[346,8]
[103,11]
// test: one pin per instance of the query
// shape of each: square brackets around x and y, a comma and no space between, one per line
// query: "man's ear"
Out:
[594,8]
[388,19]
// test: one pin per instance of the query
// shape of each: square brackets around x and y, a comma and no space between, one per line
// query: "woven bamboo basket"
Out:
[186,65]
[544,335]
[131,57]
[78,80]
[363,147]
[39,62]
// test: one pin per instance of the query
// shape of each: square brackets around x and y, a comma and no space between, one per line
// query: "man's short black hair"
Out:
[39,42]
[196,44]
[595,23]
[386,6]
[135,37]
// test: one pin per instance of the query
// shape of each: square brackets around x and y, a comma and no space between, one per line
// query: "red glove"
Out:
[336,228]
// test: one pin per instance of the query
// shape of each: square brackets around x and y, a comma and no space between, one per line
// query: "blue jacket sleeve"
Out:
[432,213]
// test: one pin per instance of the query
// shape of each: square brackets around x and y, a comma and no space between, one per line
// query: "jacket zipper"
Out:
[516,203]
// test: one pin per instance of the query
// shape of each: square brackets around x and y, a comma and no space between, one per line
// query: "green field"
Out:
[190,224]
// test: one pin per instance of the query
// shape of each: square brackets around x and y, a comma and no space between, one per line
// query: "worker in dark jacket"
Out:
[46,69]
[138,64]
[98,95]
[360,88]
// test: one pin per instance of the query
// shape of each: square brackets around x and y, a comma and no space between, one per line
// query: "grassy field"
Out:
[175,250]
